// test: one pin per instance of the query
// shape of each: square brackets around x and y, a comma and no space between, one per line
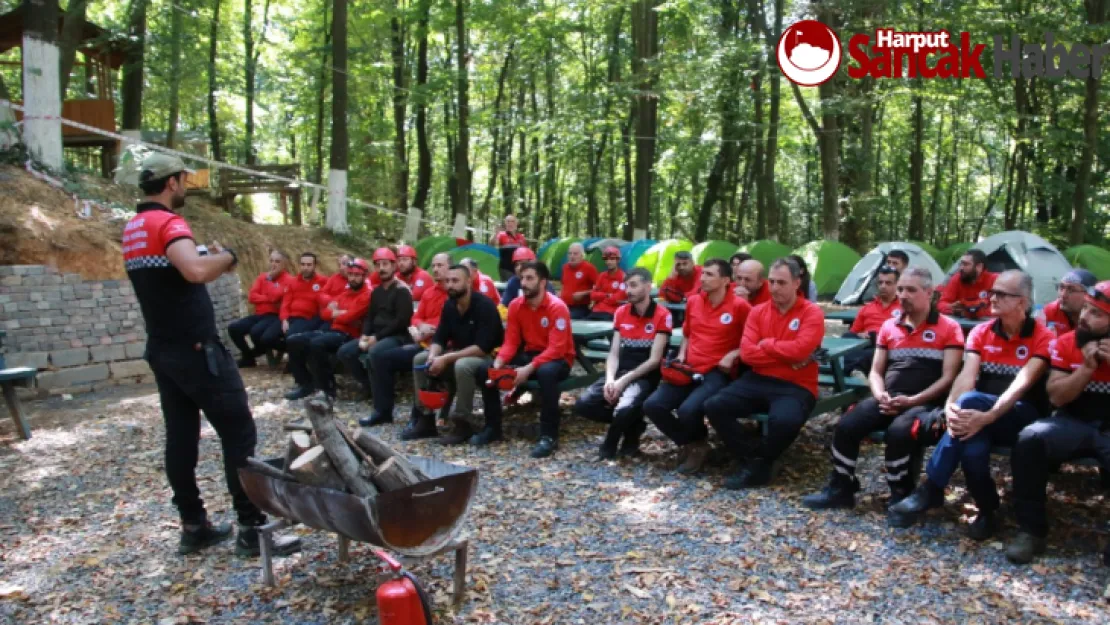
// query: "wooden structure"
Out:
[233,183]
[102,57]
[9,380]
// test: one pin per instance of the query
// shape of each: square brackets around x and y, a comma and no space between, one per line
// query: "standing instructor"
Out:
[193,370]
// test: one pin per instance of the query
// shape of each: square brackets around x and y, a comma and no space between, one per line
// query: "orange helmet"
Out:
[1099,296]
[611,252]
[523,253]
[384,253]
[503,378]
[406,250]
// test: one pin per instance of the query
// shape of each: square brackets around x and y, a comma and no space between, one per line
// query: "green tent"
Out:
[555,256]
[929,249]
[1090,257]
[487,263]
[659,258]
[952,253]
[829,264]
[427,248]
[765,251]
[713,249]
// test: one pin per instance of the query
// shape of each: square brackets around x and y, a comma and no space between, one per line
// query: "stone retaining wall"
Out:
[84,335]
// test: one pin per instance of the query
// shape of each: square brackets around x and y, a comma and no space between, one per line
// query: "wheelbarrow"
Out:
[416,522]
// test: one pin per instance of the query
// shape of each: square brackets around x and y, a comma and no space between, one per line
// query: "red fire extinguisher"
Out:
[401,600]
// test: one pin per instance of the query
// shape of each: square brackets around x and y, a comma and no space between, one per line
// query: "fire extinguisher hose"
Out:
[424,601]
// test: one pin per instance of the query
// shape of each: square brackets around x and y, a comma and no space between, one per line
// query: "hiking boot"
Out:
[840,492]
[696,453]
[247,544]
[757,472]
[422,425]
[460,433]
[299,392]
[201,536]
[545,447]
[486,436]
[909,510]
[1024,547]
[246,362]
[606,451]
[630,446]
[983,527]
[375,419]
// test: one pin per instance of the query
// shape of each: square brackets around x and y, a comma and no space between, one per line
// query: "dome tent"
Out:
[631,252]
[1090,257]
[486,257]
[765,251]
[556,256]
[931,250]
[829,264]
[659,259]
[597,246]
[859,286]
[429,247]
[1016,249]
[952,253]
[713,249]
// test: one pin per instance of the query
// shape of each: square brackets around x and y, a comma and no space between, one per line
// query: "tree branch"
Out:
[813,125]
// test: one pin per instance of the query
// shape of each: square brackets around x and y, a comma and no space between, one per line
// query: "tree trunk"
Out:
[613,76]
[176,27]
[728,108]
[423,151]
[321,89]
[497,152]
[131,89]
[626,145]
[42,132]
[549,161]
[337,174]
[400,106]
[917,166]
[645,38]
[774,218]
[248,68]
[1096,14]
[72,25]
[462,145]
[938,161]
[213,121]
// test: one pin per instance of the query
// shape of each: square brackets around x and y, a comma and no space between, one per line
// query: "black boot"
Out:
[630,446]
[491,433]
[840,492]
[246,362]
[461,431]
[545,447]
[375,419]
[910,509]
[421,425]
[299,392]
[195,537]
[757,472]
[983,527]
[247,544]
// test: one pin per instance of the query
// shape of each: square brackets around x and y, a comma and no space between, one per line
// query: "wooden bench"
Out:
[10,379]
[233,183]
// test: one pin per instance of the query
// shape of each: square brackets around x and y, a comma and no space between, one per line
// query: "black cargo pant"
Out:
[548,375]
[264,330]
[310,358]
[626,417]
[192,379]
[787,405]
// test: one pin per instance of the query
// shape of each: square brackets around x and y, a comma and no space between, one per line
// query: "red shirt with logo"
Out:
[677,288]
[975,296]
[545,330]
[578,278]
[915,356]
[505,239]
[481,283]
[774,342]
[431,306]
[873,315]
[1056,319]
[713,331]
[419,281]
[638,332]
[266,293]
[1090,405]
[354,303]
[334,286]
[609,291]
[303,297]
[1001,357]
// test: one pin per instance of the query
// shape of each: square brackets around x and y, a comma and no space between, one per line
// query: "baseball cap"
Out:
[158,165]
[1079,276]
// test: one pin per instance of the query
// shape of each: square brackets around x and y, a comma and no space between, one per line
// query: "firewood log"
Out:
[379,451]
[314,468]
[344,461]
[299,442]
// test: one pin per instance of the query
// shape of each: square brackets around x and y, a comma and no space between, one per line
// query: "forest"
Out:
[617,117]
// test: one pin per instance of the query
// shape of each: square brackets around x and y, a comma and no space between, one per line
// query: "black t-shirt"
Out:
[390,312]
[481,326]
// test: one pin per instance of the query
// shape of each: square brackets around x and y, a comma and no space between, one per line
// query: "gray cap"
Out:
[158,165]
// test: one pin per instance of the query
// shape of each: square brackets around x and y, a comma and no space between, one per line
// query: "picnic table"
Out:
[9,380]
[847,316]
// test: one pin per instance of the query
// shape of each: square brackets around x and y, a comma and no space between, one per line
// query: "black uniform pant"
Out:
[549,375]
[1040,448]
[579,312]
[310,355]
[264,331]
[679,411]
[384,361]
[904,441]
[787,406]
[191,381]
[626,417]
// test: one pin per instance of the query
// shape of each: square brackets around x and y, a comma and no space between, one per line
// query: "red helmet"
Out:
[1099,296]
[406,250]
[433,400]
[678,373]
[503,378]
[384,253]
[611,252]
[523,253]
[359,265]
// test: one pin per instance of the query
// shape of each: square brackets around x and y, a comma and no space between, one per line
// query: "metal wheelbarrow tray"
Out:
[419,521]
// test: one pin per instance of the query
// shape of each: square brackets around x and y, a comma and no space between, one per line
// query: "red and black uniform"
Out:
[301,304]
[1078,429]
[608,294]
[868,320]
[677,288]
[710,332]
[193,371]
[637,336]
[577,279]
[1001,357]
[975,297]
[510,239]
[540,337]
[264,326]
[506,244]
[1056,319]
[915,361]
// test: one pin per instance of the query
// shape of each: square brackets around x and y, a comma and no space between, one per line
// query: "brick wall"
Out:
[84,335]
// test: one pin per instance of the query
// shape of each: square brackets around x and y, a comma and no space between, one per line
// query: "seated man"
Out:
[264,326]
[300,307]
[579,277]
[967,293]
[897,260]
[608,293]
[735,261]
[641,332]
[521,257]
[538,343]
[750,283]
[390,355]
[408,272]
[999,391]
[711,347]
[310,353]
[917,356]
[337,283]
[685,281]
[871,318]
[1061,315]
[479,282]
[1079,387]
[468,332]
[778,345]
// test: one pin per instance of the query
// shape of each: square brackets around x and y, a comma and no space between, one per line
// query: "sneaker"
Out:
[757,472]
[246,363]
[247,544]
[983,527]
[460,433]
[201,536]
[840,492]
[299,392]
[910,509]
[545,447]
[1024,548]
[375,419]
[486,436]
[696,453]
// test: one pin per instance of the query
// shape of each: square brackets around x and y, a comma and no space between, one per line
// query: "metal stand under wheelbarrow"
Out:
[417,522]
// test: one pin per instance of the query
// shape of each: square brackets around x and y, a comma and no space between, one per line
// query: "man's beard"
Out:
[385,276]
[456,293]
[967,278]
[1084,335]
[179,201]
[530,293]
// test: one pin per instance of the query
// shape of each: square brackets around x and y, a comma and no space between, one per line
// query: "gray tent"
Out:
[1030,253]
[859,287]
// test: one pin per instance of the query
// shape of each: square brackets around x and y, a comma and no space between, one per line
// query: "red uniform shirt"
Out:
[975,296]
[504,239]
[915,356]
[711,332]
[1091,403]
[609,291]
[577,279]
[302,299]
[481,283]
[638,333]
[873,315]
[335,285]
[419,281]
[1055,319]
[431,306]
[1001,357]
[774,342]
[354,303]
[545,330]
[677,288]
[761,295]
[266,293]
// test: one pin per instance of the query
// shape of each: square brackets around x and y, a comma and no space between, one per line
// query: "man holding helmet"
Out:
[385,327]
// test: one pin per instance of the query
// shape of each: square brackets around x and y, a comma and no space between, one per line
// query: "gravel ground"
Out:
[88,535]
